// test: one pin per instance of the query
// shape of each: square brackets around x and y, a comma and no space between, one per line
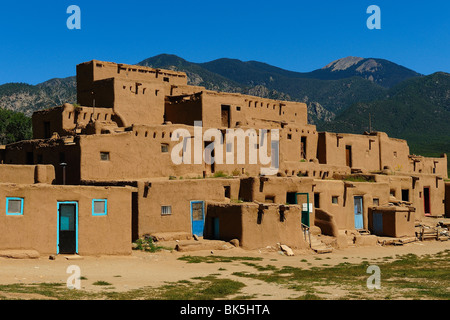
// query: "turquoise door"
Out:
[358,201]
[198,217]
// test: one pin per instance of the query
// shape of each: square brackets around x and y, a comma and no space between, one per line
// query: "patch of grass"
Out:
[147,244]
[220,174]
[359,178]
[101,283]
[204,288]
[409,276]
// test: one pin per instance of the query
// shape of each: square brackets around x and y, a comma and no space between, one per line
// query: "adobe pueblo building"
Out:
[127,162]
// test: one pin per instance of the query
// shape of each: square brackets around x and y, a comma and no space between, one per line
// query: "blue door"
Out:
[358,200]
[198,217]
[377,221]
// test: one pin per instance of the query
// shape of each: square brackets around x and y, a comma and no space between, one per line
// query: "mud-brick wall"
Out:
[256,227]
[36,228]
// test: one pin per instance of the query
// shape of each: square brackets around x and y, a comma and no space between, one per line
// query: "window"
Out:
[164,148]
[99,207]
[238,108]
[104,156]
[289,136]
[405,195]
[166,210]
[47,132]
[14,206]
[334,199]
[227,190]
[166,79]
[316,200]
[392,193]
[291,197]
[376,202]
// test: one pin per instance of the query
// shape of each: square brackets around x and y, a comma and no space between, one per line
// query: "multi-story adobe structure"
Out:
[100,174]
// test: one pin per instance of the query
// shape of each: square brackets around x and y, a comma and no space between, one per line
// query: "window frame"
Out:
[21,206]
[166,214]
[105,153]
[105,201]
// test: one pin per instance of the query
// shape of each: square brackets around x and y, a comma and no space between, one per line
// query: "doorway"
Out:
[303,148]
[359,222]
[198,217]
[67,227]
[302,199]
[348,156]
[225,116]
[426,200]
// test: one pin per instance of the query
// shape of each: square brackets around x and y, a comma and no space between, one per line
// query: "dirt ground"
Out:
[143,269]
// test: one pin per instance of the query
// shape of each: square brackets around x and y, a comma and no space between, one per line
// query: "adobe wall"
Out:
[394,154]
[298,143]
[397,221]
[184,109]
[137,153]
[436,187]
[447,199]
[256,228]
[365,150]
[53,152]
[37,228]
[139,102]
[65,119]
[155,193]
[345,191]
[429,165]
[89,72]
[244,108]
[27,174]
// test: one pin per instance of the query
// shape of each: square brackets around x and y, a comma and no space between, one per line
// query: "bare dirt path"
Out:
[143,269]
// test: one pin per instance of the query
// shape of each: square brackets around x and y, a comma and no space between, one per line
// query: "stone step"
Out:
[321,250]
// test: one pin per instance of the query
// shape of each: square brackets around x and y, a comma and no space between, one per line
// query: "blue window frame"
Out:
[99,207]
[14,206]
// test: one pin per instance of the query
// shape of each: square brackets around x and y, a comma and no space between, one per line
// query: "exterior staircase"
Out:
[314,242]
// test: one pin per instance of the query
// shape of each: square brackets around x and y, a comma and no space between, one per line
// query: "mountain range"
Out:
[341,96]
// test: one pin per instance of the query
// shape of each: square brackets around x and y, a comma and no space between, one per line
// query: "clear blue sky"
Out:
[297,35]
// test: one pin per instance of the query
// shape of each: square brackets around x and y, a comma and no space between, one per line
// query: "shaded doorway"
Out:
[67,225]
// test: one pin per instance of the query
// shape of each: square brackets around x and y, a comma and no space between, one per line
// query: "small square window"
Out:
[99,207]
[104,156]
[166,79]
[14,206]
[238,108]
[164,148]
[166,210]
[376,202]
[334,199]
[289,136]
